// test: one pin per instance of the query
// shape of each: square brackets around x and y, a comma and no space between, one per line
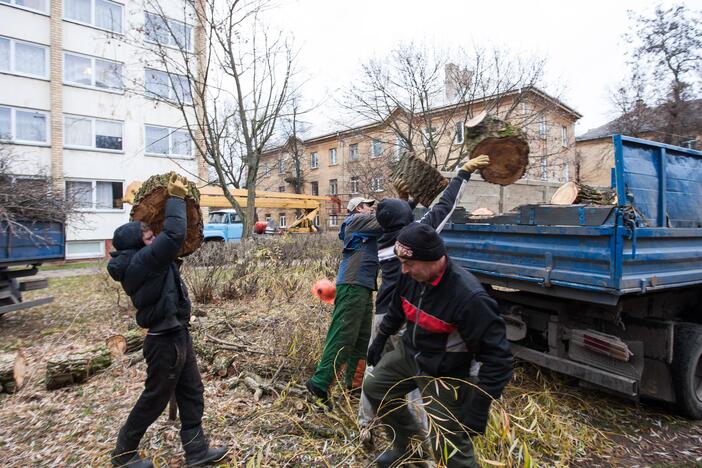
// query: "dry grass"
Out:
[261,315]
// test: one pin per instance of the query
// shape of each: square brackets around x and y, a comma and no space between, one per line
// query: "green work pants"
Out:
[394,377]
[348,335]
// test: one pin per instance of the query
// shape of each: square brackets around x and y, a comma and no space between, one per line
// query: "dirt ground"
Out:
[275,337]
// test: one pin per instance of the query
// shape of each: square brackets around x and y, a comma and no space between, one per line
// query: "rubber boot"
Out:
[197,450]
[395,455]
[125,454]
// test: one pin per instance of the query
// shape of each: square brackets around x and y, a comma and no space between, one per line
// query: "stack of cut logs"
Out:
[572,192]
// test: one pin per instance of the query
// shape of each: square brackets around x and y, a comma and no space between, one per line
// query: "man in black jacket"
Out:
[450,319]
[146,268]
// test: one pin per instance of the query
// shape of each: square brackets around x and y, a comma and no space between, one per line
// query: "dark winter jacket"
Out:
[149,274]
[393,214]
[450,322]
[359,263]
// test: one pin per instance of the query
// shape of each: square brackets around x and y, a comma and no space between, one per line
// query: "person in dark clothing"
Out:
[350,328]
[394,214]
[145,265]
[450,319]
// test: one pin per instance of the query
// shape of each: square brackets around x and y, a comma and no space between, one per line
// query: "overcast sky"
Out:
[581,40]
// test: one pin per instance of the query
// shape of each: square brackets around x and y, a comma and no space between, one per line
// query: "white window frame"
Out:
[266,170]
[353,152]
[281,165]
[336,187]
[13,3]
[92,24]
[317,220]
[375,143]
[399,148]
[93,121]
[544,168]
[172,94]
[172,44]
[282,221]
[459,135]
[564,136]
[376,184]
[13,127]
[312,188]
[13,59]
[93,61]
[170,154]
[314,160]
[333,161]
[95,254]
[93,204]
[354,185]
[333,220]
[542,127]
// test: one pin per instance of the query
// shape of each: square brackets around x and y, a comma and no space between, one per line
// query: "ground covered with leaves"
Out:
[258,331]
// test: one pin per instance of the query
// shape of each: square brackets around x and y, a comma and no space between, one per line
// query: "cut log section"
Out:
[12,371]
[424,183]
[482,213]
[131,341]
[76,368]
[566,194]
[150,206]
[505,144]
[571,192]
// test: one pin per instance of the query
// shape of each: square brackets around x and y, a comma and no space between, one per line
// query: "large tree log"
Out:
[12,371]
[572,192]
[424,183]
[505,144]
[150,204]
[129,342]
[69,369]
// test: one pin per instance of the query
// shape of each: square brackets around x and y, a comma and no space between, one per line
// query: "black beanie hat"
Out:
[419,242]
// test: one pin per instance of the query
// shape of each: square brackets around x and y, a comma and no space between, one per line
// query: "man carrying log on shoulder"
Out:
[450,320]
[145,265]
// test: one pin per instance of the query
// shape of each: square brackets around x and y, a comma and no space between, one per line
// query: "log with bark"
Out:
[150,206]
[12,371]
[505,144]
[572,192]
[75,368]
[127,343]
[423,182]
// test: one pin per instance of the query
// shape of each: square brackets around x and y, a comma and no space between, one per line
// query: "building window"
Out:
[281,166]
[353,152]
[314,160]
[333,220]
[458,135]
[354,184]
[376,148]
[544,168]
[377,184]
[315,188]
[89,133]
[95,194]
[332,157]
[542,127]
[23,58]
[566,172]
[23,125]
[167,87]
[332,187]
[564,136]
[36,5]
[266,170]
[101,14]
[167,32]
[281,188]
[400,148]
[316,220]
[90,71]
[282,222]
[165,141]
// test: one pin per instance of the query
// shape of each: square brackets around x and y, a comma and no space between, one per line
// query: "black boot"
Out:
[197,451]
[125,454]
[405,448]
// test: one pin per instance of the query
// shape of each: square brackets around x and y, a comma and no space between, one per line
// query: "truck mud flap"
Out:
[25,305]
[618,383]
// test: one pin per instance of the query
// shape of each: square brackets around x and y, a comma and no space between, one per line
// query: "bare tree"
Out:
[231,85]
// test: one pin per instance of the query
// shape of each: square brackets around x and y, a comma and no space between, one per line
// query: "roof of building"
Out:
[645,119]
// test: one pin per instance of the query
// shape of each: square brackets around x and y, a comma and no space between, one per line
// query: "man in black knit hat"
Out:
[450,320]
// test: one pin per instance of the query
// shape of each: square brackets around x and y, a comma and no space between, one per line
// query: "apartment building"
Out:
[357,161]
[82,101]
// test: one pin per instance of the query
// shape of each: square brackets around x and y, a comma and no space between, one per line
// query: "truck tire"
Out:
[687,369]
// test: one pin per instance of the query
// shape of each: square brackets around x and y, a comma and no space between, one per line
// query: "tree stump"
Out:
[129,342]
[424,182]
[76,368]
[12,371]
[505,144]
[150,207]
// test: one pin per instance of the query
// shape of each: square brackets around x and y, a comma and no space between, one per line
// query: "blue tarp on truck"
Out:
[33,242]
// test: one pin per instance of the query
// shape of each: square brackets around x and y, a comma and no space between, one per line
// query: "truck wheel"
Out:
[687,369]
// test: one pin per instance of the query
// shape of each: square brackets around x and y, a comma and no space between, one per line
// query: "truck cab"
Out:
[223,226]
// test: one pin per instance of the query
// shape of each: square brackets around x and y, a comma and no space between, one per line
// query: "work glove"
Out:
[375,350]
[476,163]
[177,186]
[475,410]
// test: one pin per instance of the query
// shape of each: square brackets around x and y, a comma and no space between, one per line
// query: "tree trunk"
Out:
[12,370]
[129,342]
[221,363]
[250,217]
[76,368]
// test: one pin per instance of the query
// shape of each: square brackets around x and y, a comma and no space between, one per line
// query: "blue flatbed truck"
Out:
[23,249]
[611,295]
